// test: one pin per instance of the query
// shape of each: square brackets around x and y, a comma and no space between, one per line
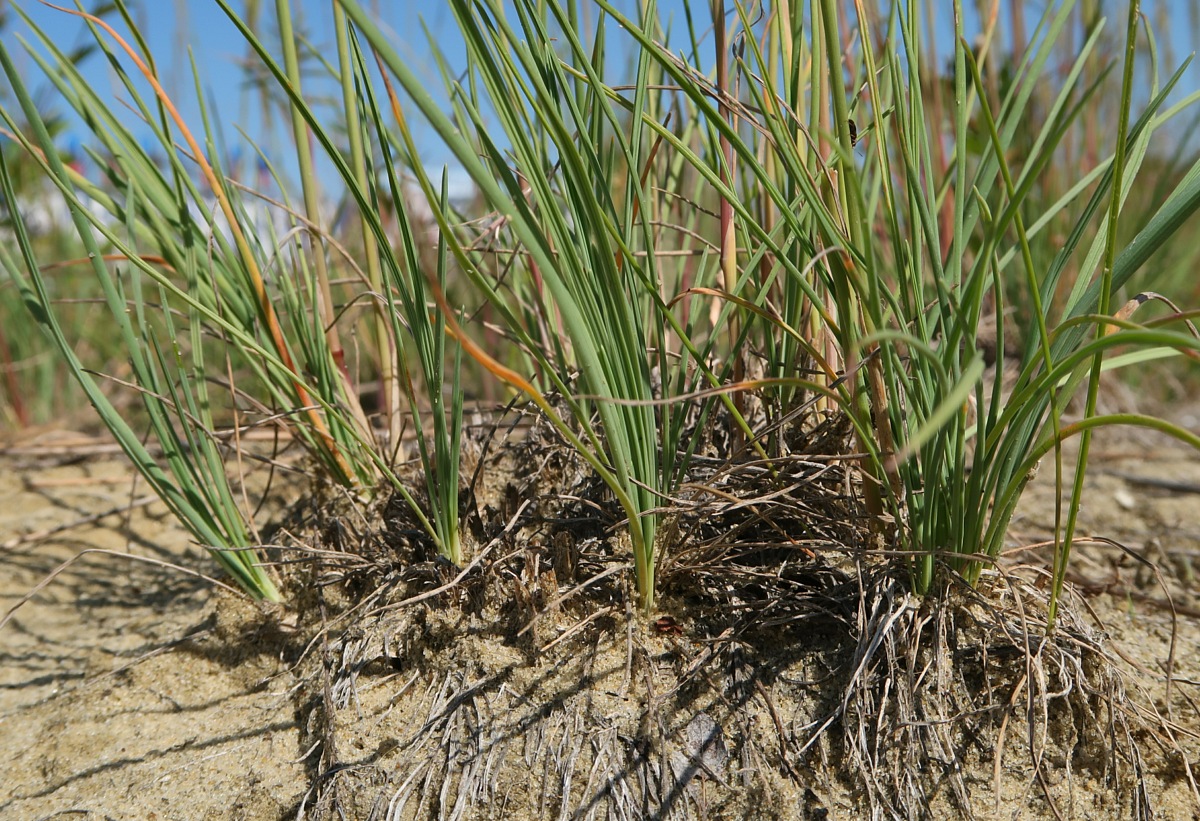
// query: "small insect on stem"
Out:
[853,132]
[668,626]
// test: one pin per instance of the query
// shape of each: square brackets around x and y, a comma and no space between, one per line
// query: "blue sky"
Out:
[175,28]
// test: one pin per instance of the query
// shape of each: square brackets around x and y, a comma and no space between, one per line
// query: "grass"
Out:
[819,223]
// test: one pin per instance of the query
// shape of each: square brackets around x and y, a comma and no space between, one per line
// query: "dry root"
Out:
[790,675]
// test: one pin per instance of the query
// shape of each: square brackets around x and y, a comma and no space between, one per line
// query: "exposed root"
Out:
[793,674]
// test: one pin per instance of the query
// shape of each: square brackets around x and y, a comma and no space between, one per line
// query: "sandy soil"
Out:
[128,690]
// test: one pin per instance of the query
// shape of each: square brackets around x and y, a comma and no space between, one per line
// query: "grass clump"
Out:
[822,223]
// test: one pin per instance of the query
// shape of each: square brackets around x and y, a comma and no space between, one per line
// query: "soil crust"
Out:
[776,681]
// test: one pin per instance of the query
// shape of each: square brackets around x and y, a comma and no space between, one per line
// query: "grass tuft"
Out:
[674,242]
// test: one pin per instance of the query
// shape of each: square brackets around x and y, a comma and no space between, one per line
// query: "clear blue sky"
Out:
[173,28]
